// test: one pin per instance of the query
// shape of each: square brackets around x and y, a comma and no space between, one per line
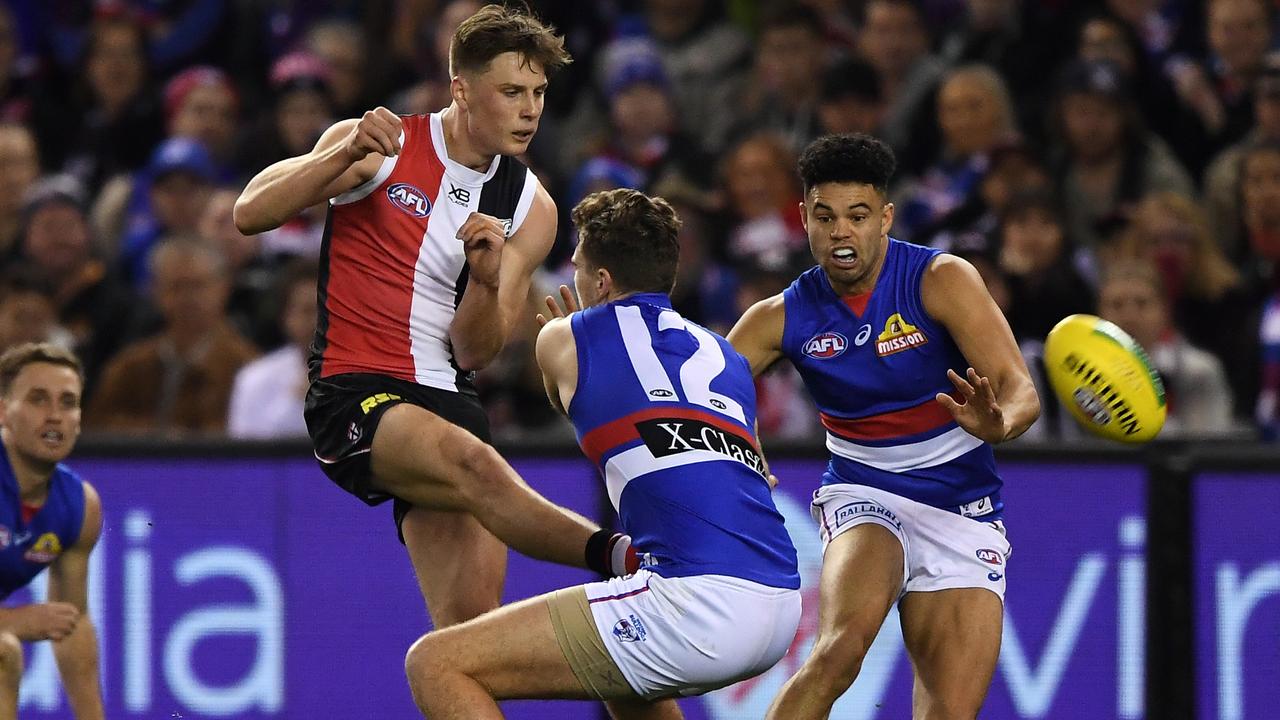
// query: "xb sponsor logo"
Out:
[630,629]
[409,199]
[826,346]
[459,196]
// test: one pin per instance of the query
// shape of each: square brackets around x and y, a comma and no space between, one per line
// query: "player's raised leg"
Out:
[428,462]
[953,637]
[869,558]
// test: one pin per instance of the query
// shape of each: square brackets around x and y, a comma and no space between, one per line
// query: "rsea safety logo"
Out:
[409,199]
[826,346]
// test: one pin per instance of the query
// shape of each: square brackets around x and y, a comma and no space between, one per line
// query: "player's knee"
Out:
[425,663]
[479,463]
[837,658]
[11,660]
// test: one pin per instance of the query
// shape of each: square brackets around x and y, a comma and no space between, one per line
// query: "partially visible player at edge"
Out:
[666,411]
[433,234]
[49,518]
[916,375]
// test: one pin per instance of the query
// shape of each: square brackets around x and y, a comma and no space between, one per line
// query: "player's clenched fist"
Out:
[377,132]
[482,239]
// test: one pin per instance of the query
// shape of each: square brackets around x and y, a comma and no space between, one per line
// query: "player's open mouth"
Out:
[845,256]
[51,437]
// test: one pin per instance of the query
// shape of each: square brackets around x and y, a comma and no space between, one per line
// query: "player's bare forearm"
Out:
[1021,404]
[284,189]
[77,656]
[478,331]
[758,333]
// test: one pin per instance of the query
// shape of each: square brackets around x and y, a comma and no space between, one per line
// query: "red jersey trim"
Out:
[928,415]
[612,434]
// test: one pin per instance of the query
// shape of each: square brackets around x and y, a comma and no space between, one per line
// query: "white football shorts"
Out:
[940,549]
[690,635]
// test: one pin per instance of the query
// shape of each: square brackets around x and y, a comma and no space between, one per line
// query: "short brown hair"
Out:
[633,236]
[494,30]
[20,356]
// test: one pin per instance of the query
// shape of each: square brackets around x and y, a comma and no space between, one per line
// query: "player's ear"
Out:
[886,218]
[804,216]
[458,90]
[604,282]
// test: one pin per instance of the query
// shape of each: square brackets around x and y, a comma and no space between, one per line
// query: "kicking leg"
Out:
[861,579]
[459,564]
[953,637]
[428,462]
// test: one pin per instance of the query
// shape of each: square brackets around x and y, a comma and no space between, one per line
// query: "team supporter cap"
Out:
[180,154]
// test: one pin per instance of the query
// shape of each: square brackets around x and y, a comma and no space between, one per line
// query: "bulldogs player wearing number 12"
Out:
[666,411]
[916,375]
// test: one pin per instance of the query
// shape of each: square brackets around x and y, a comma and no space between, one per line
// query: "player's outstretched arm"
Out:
[758,333]
[77,653]
[500,271]
[557,354]
[347,154]
[1000,401]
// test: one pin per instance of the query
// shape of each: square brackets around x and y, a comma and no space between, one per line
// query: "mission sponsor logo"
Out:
[409,199]
[826,346]
[46,549]
[898,335]
[666,437]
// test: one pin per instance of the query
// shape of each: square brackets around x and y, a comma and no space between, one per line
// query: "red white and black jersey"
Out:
[392,269]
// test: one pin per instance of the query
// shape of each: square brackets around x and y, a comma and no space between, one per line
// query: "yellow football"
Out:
[1105,379]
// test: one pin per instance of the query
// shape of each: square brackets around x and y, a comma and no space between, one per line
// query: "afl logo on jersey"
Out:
[826,346]
[409,199]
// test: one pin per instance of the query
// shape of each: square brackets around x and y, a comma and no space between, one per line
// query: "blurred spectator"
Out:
[781,93]
[1260,211]
[705,288]
[266,399]
[851,100]
[113,119]
[511,387]
[341,45]
[1036,257]
[1224,182]
[302,110]
[179,381]
[974,226]
[92,303]
[1106,160]
[431,91]
[253,274]
[975,115]
[1221,94]
[703,55]
[642,130]
[1209,301]
[169,197]
[27,310]
[763,197]
[1197,397]
[202,103]
[1104,37]
[893,38]
[19,168]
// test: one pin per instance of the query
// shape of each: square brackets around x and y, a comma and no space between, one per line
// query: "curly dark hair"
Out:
[847,159]
[633,236]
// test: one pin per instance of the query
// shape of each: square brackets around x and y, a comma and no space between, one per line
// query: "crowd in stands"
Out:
[1119,157]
